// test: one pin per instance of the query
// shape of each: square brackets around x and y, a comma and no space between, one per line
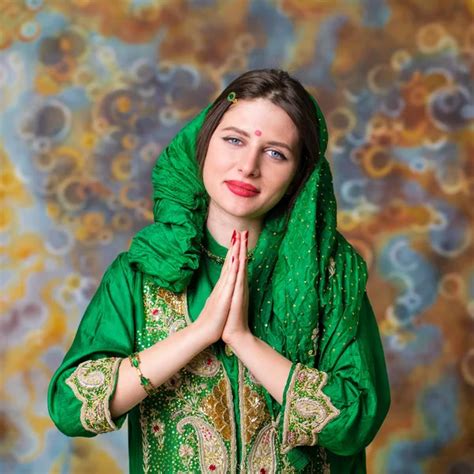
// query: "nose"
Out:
[249,164]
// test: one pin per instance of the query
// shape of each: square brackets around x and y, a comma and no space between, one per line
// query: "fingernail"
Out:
[246,235]
[233,259]
[232,240]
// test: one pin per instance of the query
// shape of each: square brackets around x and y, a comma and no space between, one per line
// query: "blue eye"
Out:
[278,155]
[232,140]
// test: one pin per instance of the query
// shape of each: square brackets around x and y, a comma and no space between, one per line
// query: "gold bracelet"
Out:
[144,381]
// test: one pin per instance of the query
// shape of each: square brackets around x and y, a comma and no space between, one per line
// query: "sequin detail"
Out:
[308,410]
[262,457]
[255,420]
[188,424]
[255,412]
[93,382]
[212,451]
[205,364]
[216,407]
[164,310]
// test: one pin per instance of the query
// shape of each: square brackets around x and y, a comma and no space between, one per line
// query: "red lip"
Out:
[243,185]
[242,189]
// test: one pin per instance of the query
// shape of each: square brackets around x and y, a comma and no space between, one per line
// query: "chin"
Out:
[240,211]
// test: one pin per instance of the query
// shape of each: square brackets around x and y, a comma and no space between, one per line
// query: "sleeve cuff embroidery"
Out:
[307,409]
[93,382]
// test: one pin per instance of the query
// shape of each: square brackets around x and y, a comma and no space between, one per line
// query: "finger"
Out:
[228,286]
[228,256]
[234,262]
[231,264]
[246,250]
[235,255]
[242,261]
[245,261]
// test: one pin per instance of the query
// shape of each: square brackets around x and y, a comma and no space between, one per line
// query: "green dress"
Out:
[212,416]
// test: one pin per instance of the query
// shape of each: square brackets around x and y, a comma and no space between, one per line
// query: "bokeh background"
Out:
[91,91]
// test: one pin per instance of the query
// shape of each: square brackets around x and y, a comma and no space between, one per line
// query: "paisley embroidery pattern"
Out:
[205,364]
[188,424]
[262,458]
[254,418]
[186,453]
[164,310]
[92,383]
[212,451]
[308,410]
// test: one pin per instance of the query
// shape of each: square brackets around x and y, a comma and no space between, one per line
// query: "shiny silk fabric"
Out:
[307,299]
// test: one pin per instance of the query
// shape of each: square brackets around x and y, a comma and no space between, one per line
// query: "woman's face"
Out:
[251,160]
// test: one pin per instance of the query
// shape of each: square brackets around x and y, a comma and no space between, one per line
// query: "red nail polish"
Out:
[233,259]
[232,240]
[246,235]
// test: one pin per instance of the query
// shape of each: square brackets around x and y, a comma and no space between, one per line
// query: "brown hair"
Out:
[284,91]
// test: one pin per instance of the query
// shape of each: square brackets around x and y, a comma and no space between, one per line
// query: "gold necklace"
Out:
[221,260]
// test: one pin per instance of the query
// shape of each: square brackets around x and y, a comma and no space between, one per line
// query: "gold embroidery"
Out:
[205,364]
[262,457]
[242,411]
[199,397]
[255,412]
[186,453]
[233,441]
[92,383]
[164,310]
[308,410]
[287,467]
[332,267]
[157,429]
[145,440]
[174,300]
[212,451]
[216,408]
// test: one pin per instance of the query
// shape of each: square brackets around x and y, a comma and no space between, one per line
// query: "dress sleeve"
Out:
[81,388]
[340,405]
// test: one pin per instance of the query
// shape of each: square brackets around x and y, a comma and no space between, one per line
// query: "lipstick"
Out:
[242,189]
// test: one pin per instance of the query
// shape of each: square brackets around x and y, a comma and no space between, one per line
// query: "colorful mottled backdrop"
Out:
[92,90]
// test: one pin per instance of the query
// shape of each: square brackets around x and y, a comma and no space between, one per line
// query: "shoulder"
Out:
[121,269]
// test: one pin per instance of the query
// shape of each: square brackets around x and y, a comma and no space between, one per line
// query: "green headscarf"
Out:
[303,268]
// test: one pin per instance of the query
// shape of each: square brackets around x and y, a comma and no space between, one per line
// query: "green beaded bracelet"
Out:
[144,381]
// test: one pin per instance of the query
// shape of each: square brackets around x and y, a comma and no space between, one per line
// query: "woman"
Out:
[235,333]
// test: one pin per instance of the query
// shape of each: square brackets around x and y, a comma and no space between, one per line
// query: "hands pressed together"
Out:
[225,314]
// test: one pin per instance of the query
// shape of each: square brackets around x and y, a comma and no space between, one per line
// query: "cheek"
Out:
[212,168]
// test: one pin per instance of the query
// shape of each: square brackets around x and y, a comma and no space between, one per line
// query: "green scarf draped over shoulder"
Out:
[303,268]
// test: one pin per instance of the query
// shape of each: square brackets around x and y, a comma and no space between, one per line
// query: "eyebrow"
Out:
[245,134]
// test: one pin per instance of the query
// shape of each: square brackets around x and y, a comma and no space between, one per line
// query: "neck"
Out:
[221,226]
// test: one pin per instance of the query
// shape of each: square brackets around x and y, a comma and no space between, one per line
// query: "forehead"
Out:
[264,115]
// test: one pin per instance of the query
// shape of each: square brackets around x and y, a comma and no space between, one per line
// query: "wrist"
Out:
[203,333]
[239,340]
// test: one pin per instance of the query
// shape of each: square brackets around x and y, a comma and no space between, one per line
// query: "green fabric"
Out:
[293,289]
[357,385]
[199,289]
[307,298]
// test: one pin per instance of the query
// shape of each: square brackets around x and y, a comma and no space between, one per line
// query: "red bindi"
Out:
[258,132]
